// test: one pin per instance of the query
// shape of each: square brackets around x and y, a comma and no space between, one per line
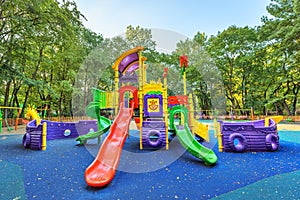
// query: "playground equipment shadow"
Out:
[58,172]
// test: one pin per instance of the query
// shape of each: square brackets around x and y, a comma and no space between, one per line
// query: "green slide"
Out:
[93,110]
[188,141]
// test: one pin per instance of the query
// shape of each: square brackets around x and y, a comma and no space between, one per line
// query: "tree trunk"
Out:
[286,107]
[25,101]
[33,78]
[295,99]
[70,107]
[294,105]
[6,96]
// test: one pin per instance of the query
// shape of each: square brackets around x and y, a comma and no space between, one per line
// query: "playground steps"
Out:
[36,140]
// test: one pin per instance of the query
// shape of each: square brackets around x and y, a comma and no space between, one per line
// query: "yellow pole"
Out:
[44,136]
[252,114]
[145,73]
[8,107]
[141,68]
[116,89]
[165,107]
[191,110]
[267,121]
[219,134]
[215,128]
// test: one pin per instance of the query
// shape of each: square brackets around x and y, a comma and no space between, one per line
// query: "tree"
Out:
[282,36]
[204,79]
[233,51]
[44,44]
[139,37]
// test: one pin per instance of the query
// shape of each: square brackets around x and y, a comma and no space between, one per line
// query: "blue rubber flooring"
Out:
[58,172]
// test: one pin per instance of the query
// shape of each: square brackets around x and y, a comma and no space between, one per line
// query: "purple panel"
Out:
[146,106]
[128,77]
[156,127]
[127,61]
[133,67]
[56,130]
[84,126]
[253,133]
[61,130]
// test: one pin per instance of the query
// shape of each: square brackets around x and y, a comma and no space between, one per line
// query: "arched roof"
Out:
[128,61]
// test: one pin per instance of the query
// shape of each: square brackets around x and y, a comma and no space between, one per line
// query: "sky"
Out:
[183,18]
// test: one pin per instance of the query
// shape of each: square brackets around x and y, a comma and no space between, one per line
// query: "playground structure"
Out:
[101,100]
[258,135]
[153,112]
[39,131]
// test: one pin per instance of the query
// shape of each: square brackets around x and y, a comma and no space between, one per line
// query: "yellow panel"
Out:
[153,105]
[152,87]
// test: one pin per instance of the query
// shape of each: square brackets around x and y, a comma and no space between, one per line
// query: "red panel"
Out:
[179,99]
[134,91]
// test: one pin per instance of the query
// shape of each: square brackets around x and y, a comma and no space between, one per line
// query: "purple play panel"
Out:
[129,61]
[56,130]
[249,136]
[154,133]
[129,78]
[147,111]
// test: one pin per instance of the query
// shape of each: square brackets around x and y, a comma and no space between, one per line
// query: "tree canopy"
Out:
[48,58]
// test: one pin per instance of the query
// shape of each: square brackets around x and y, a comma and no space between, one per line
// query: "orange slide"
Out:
[103,169]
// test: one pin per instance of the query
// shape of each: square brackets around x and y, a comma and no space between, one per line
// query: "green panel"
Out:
[93,110]
[175,110]
[155,92]
[99,96]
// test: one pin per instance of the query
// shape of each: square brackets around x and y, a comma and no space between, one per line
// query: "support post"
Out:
[44,136]
[165,106]
[141,93]
[184,83]
[116,89]
[252,114]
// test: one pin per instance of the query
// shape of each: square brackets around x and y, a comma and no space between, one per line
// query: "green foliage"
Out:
[232,51]
[139,36]
[49,58]
[203,77]
[281,34]
[44,45]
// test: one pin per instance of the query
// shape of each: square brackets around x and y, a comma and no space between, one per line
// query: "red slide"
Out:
[103,169]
